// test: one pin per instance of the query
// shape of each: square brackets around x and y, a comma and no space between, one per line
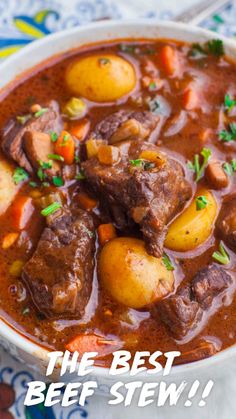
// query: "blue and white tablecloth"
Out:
[22,21]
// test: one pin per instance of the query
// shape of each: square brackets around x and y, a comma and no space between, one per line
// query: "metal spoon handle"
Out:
[197,13]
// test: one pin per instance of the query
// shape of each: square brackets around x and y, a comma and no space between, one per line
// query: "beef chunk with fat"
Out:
[59,274]
[149,195]
[13,134]
[126,125]
[226,222]
[183,311]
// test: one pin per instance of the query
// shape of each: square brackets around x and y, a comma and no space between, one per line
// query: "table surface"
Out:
[18,28]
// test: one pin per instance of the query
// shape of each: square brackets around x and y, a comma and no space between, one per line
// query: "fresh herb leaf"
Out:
[230,167]
[167,262]
[77,159]
[33,184]
[45,165]
[41,175]
[22,119]
[65,139]
[197,51]
[215,47]
[57,181]
[104,61]
[80,175]
[201,202]
[55,157]
[19,175]
[137,162]
[196,166]
[221,256]
[46,184]
[228,135]
[51,209]
[41,112]
[229,103]
[53,136]
[152,86]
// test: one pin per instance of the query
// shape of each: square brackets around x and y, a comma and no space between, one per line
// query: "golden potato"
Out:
[8,189]
[193,226]
[101,78]
[131,275]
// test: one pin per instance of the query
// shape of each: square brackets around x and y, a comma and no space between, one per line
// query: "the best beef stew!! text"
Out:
[117,202]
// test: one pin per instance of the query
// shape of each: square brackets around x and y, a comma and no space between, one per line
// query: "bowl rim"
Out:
[8,331]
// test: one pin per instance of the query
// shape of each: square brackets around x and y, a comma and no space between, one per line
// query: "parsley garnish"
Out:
[142,163]
[22,119]
[40,112]
[65,139]
[57,181]
[45,165]
[51,209]
[229,103]
[33,184]
[137,162]
[167,262]
[55,157]
[19,175]
[77,159]
[152,86]
[228,135]
[230,167]
[201,202]
[53,136]
[221,256]
[80,175]
[196,167]
[214,47]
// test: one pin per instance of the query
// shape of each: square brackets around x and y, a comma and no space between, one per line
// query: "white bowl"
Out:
[18,345]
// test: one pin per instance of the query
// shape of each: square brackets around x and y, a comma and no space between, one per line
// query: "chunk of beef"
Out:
[38,146]
[226,222]
[183,311]
[13,134]
[151,197]
[59,274]
[126,125]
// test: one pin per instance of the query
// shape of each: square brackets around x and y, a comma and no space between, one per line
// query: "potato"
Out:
[101,78]
[192,227]
[8,189]
[131,275]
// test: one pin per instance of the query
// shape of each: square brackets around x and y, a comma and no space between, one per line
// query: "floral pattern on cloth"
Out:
[21,22]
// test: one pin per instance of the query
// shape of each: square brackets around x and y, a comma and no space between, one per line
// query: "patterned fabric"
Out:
[20,23]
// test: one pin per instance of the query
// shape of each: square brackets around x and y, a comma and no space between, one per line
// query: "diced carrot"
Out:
[86,202]
[92,343]
[190,99]
[9,240]
[169,59]
[80,129]
[22,210]
[65,147]
[106,232]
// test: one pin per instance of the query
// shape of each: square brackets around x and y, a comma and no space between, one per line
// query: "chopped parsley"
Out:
[152,86]
[41,175]
[53,136]
[214,47]
[41,112]
[104,61]
[228,135]
[77,159]
[45,165]
[33,184]
[22,119]
[201,202]
[57,181]
[137,162]
[19,175]
[55,157]
[198,168]
[143,164]
[51,209]
[230,167]
[167,262]
[65,139]
[229,103]
[221,256]
[80,175]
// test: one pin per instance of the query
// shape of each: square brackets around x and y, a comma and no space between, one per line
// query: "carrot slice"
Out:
[22,210]
[106,232]
[92,343]
[9,239]
[65,147]
[190,99]
[86,202]
[169,59]
[80,129]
